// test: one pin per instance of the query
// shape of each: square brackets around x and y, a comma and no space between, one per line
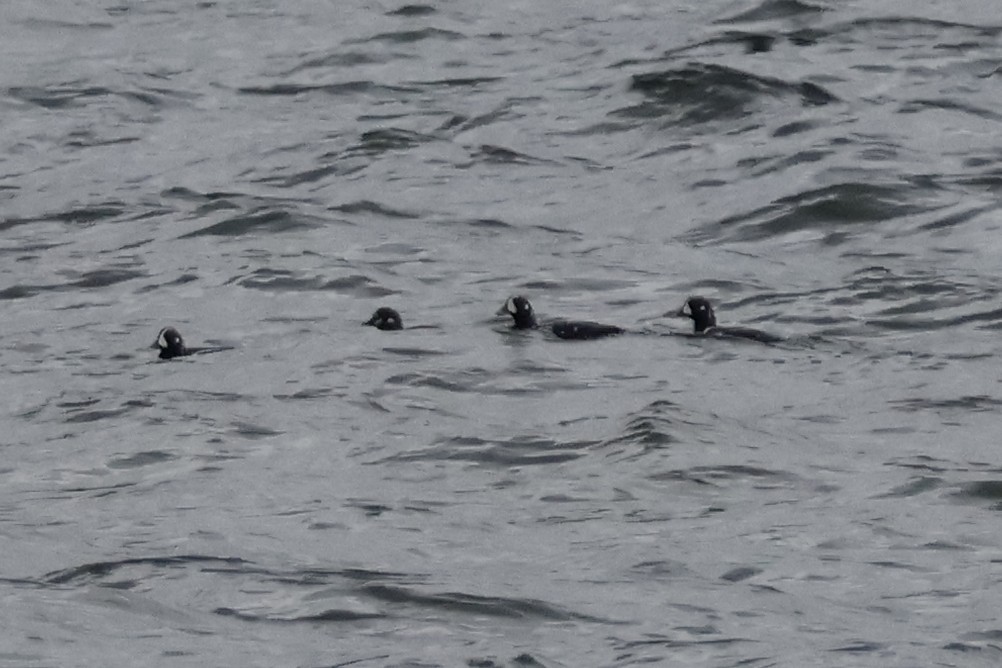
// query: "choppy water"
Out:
[263,175]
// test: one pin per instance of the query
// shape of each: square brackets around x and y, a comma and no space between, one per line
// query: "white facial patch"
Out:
[686,310]
[162,340]
[510,306]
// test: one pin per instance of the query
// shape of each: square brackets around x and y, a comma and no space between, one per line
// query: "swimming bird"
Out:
[524,317]
[171,345]
[704,320]
[385,318]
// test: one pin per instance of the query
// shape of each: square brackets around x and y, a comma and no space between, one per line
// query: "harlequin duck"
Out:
[171,345]
[699,310]
[521,312]
[385,318]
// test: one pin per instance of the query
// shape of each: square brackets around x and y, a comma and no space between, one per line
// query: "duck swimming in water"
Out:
[524,317]
[704,320]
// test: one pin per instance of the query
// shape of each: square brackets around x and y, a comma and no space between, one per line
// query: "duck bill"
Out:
[503,310]
[154,345]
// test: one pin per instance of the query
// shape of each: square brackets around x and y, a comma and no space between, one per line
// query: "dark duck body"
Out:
[704,320]
[521,312]
[171,345]
[385,318]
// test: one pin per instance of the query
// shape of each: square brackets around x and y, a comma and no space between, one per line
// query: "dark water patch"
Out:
[828,210]
[880,284]
[180,280]
[201,395]
[488,228]
[740,573]
[917,106]
[913,487]
[798,127]
[87,139]
[310,577]
[412,36]
[650,428]
[100,491]
[347,88]
[410,11]
[520,661]
[763,165]
[33,248]
[20,291]
[313,175]
[981,491]
[348,59]
[250,430]
[469,381]
[98,278]
[897,324]
[332,615]
[661,569]
[58,97]
[368,207]
[457,82]
[214,198]
[965,404]
[860,647]
[370,508]
[94,573]
[458,123]
[140,459]
[771,10]
[210,202]
[549,229]
[987,642]
[376,142]
[987,647]
[469,604]
[415,353]
[659,640]
[702,93]
[716,475]
[913,27]
[104,277]
[579,283]
[396,248]
[752,42]
[95,416]
[89,214]
[517,451]
[266,221]
[307,394]
[491,154]
[281,280]
[958,218]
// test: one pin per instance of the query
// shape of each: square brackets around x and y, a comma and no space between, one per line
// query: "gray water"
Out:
[264,175]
